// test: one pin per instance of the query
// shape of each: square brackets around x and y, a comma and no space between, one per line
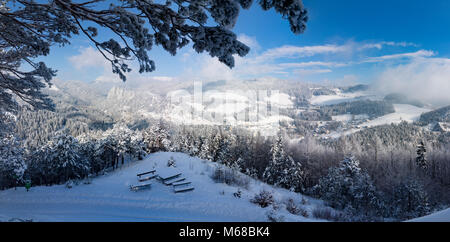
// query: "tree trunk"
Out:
[112,162]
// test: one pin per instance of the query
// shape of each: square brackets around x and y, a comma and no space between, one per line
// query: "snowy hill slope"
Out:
[403,112]
[441,216]
[108,197]
[340,97]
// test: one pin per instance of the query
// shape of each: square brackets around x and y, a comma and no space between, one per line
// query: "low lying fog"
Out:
[427,80]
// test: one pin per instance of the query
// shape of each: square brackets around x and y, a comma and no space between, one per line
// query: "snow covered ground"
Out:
[403,112]
[441,216]
[108,197]
[339,97]
[349,117]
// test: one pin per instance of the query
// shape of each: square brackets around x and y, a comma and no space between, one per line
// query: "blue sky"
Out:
[347,41]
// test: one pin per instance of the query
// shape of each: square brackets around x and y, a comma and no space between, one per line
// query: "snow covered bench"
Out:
[147,178]
[140,187]
[166,176]
[145,173]
[181,183]
[183,189]
[173,180]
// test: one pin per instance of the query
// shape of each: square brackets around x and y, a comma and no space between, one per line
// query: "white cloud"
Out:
[277,62]
[89,57]
[380,45]
[417,54]
[427,79]
[107,78]
[289,51]
[347,80]
[286,61]
[311,71]
[290,61]
[250,42]
[134,78]
[203,67]
[311,63]
[162,78]
[92,58]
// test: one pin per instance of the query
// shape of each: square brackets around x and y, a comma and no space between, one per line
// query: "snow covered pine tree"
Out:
[348,187]
[282,170]
[156,138]
[421,160]
[65,160]
[29,28]
[410,200]
[12,163]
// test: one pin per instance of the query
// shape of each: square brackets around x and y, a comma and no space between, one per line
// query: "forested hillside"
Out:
[371,108]
[438,115]
[36,128]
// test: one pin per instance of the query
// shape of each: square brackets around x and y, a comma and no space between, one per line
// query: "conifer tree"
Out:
[348,187]
[12,162]
[157,138]
[282,170]
[410,200]
[421,160]
[274,170]
[65,158]
[137,146]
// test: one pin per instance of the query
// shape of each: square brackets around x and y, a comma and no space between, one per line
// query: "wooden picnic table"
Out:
[165,175]
[145,173]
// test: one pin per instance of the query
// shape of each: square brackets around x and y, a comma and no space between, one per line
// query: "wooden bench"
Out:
[181,183]
[145,173]
[183,189]
[147,178]
[139,187]
[173,180]
[176,180]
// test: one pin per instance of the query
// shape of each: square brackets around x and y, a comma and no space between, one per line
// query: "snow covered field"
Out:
[441,216]
[403,112]
[108,197]
[339,97]
[349,117]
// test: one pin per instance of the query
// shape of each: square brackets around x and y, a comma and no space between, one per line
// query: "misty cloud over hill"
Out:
[427,80]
